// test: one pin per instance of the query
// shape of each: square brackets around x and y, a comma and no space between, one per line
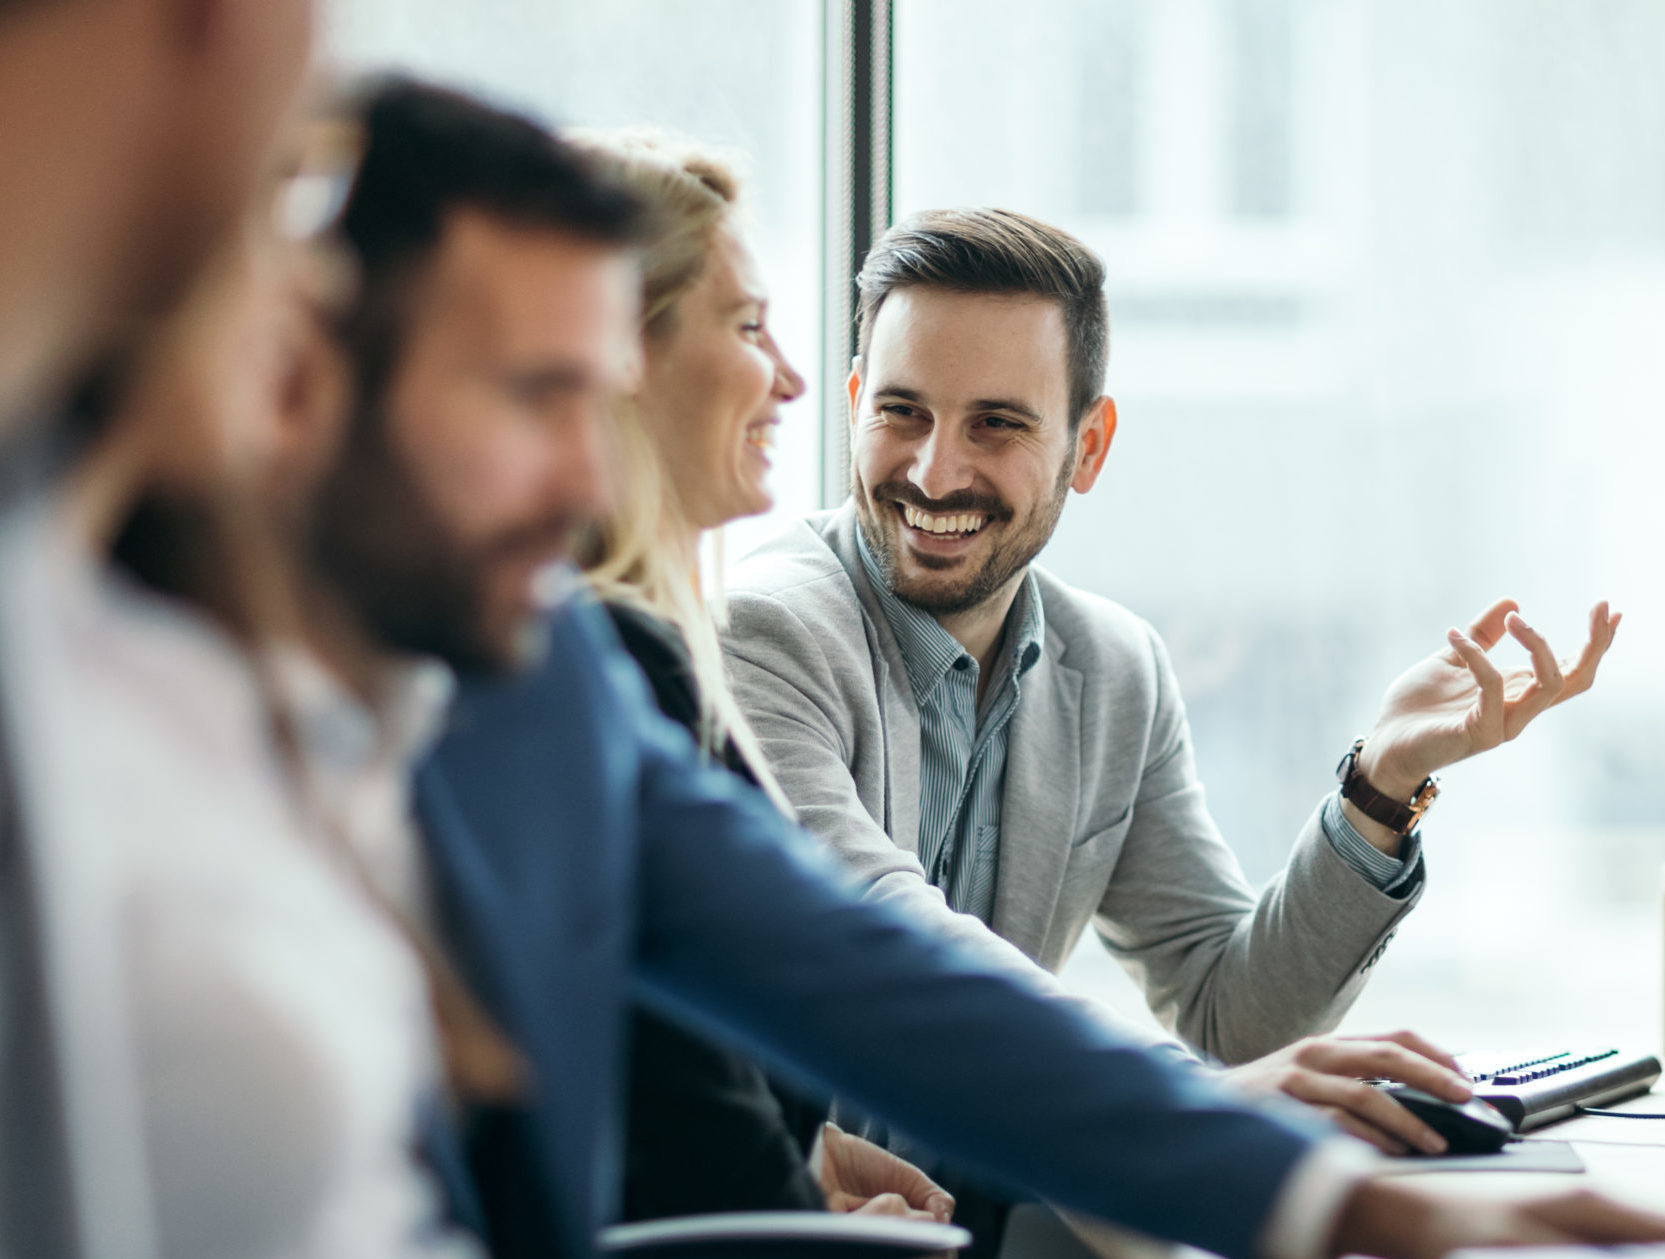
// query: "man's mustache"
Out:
[960,501]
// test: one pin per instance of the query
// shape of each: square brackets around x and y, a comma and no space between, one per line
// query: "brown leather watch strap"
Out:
[1396,815]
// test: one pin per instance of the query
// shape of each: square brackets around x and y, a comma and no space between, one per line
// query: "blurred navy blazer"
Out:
[581,855]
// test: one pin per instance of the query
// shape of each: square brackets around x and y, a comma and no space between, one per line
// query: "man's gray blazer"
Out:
[1103,817]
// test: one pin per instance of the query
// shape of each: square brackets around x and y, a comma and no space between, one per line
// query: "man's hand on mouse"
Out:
[1329,1073]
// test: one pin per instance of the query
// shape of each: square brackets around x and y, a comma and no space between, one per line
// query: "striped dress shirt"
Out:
[962,745]
[962,753]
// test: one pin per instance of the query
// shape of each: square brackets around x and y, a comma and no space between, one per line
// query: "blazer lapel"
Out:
[901,725]
[898,712]
[466,906]
[530,1173]
[1040,803]
[466,891]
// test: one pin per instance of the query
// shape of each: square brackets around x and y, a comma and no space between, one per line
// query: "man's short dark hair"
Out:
[431,152]
[997,251]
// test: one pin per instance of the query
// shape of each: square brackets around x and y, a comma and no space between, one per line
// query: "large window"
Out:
[1387,283]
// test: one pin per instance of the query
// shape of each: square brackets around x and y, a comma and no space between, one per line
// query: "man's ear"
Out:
[1092,443]
[311,417]
[853,387]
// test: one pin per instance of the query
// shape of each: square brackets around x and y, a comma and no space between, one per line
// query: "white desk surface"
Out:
[1624,1158]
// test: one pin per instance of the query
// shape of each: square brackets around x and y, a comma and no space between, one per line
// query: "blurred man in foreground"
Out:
[576,851]
[132,135]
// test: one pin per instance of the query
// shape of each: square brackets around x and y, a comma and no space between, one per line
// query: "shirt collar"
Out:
[1025,627]
[343,735]
[929,651]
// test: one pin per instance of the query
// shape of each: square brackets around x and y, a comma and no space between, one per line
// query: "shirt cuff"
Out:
[1394,876]
[1304,1216]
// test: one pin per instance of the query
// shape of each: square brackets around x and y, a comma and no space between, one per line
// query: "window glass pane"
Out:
[744,74]
[1260,82]
[1108,70]
[1387,282]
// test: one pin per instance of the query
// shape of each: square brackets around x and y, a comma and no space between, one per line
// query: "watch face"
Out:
[1351,755]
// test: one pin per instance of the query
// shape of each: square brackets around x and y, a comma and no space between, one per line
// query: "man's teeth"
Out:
[763,436]
[964,522]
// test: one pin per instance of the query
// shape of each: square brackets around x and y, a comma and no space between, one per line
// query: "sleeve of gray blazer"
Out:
[1235,974]
[806,724]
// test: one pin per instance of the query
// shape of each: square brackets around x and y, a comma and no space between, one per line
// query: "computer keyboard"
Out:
[1538,1088]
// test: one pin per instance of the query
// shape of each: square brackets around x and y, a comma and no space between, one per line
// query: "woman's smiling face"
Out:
[713,387]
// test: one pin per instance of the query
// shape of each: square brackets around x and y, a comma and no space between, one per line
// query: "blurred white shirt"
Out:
[361,760]
[280,1024]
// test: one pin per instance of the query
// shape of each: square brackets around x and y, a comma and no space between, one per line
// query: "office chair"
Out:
[782,1235]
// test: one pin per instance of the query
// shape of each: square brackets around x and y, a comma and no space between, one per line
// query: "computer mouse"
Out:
[1471,1127]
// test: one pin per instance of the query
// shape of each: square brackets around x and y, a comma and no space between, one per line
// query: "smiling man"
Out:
[1005,756]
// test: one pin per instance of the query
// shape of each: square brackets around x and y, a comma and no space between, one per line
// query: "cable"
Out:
[1620,1114]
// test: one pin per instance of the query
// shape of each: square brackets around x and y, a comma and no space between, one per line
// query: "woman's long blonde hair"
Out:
[635,559]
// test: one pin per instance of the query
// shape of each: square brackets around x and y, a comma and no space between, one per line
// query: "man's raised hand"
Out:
[1458,703]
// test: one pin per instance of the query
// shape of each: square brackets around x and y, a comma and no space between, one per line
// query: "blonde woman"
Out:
[705,1131]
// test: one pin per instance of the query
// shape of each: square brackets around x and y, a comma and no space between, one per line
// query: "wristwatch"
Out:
[1396,815]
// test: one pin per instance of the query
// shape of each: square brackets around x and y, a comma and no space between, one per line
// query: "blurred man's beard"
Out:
[214,548]
[881,527]
[384,550]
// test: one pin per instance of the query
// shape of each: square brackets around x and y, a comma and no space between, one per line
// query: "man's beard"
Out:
[1008,557]
[379,542]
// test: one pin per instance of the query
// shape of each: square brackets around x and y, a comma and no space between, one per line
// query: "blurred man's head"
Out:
[133,135]
[975,401]
[497,316]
